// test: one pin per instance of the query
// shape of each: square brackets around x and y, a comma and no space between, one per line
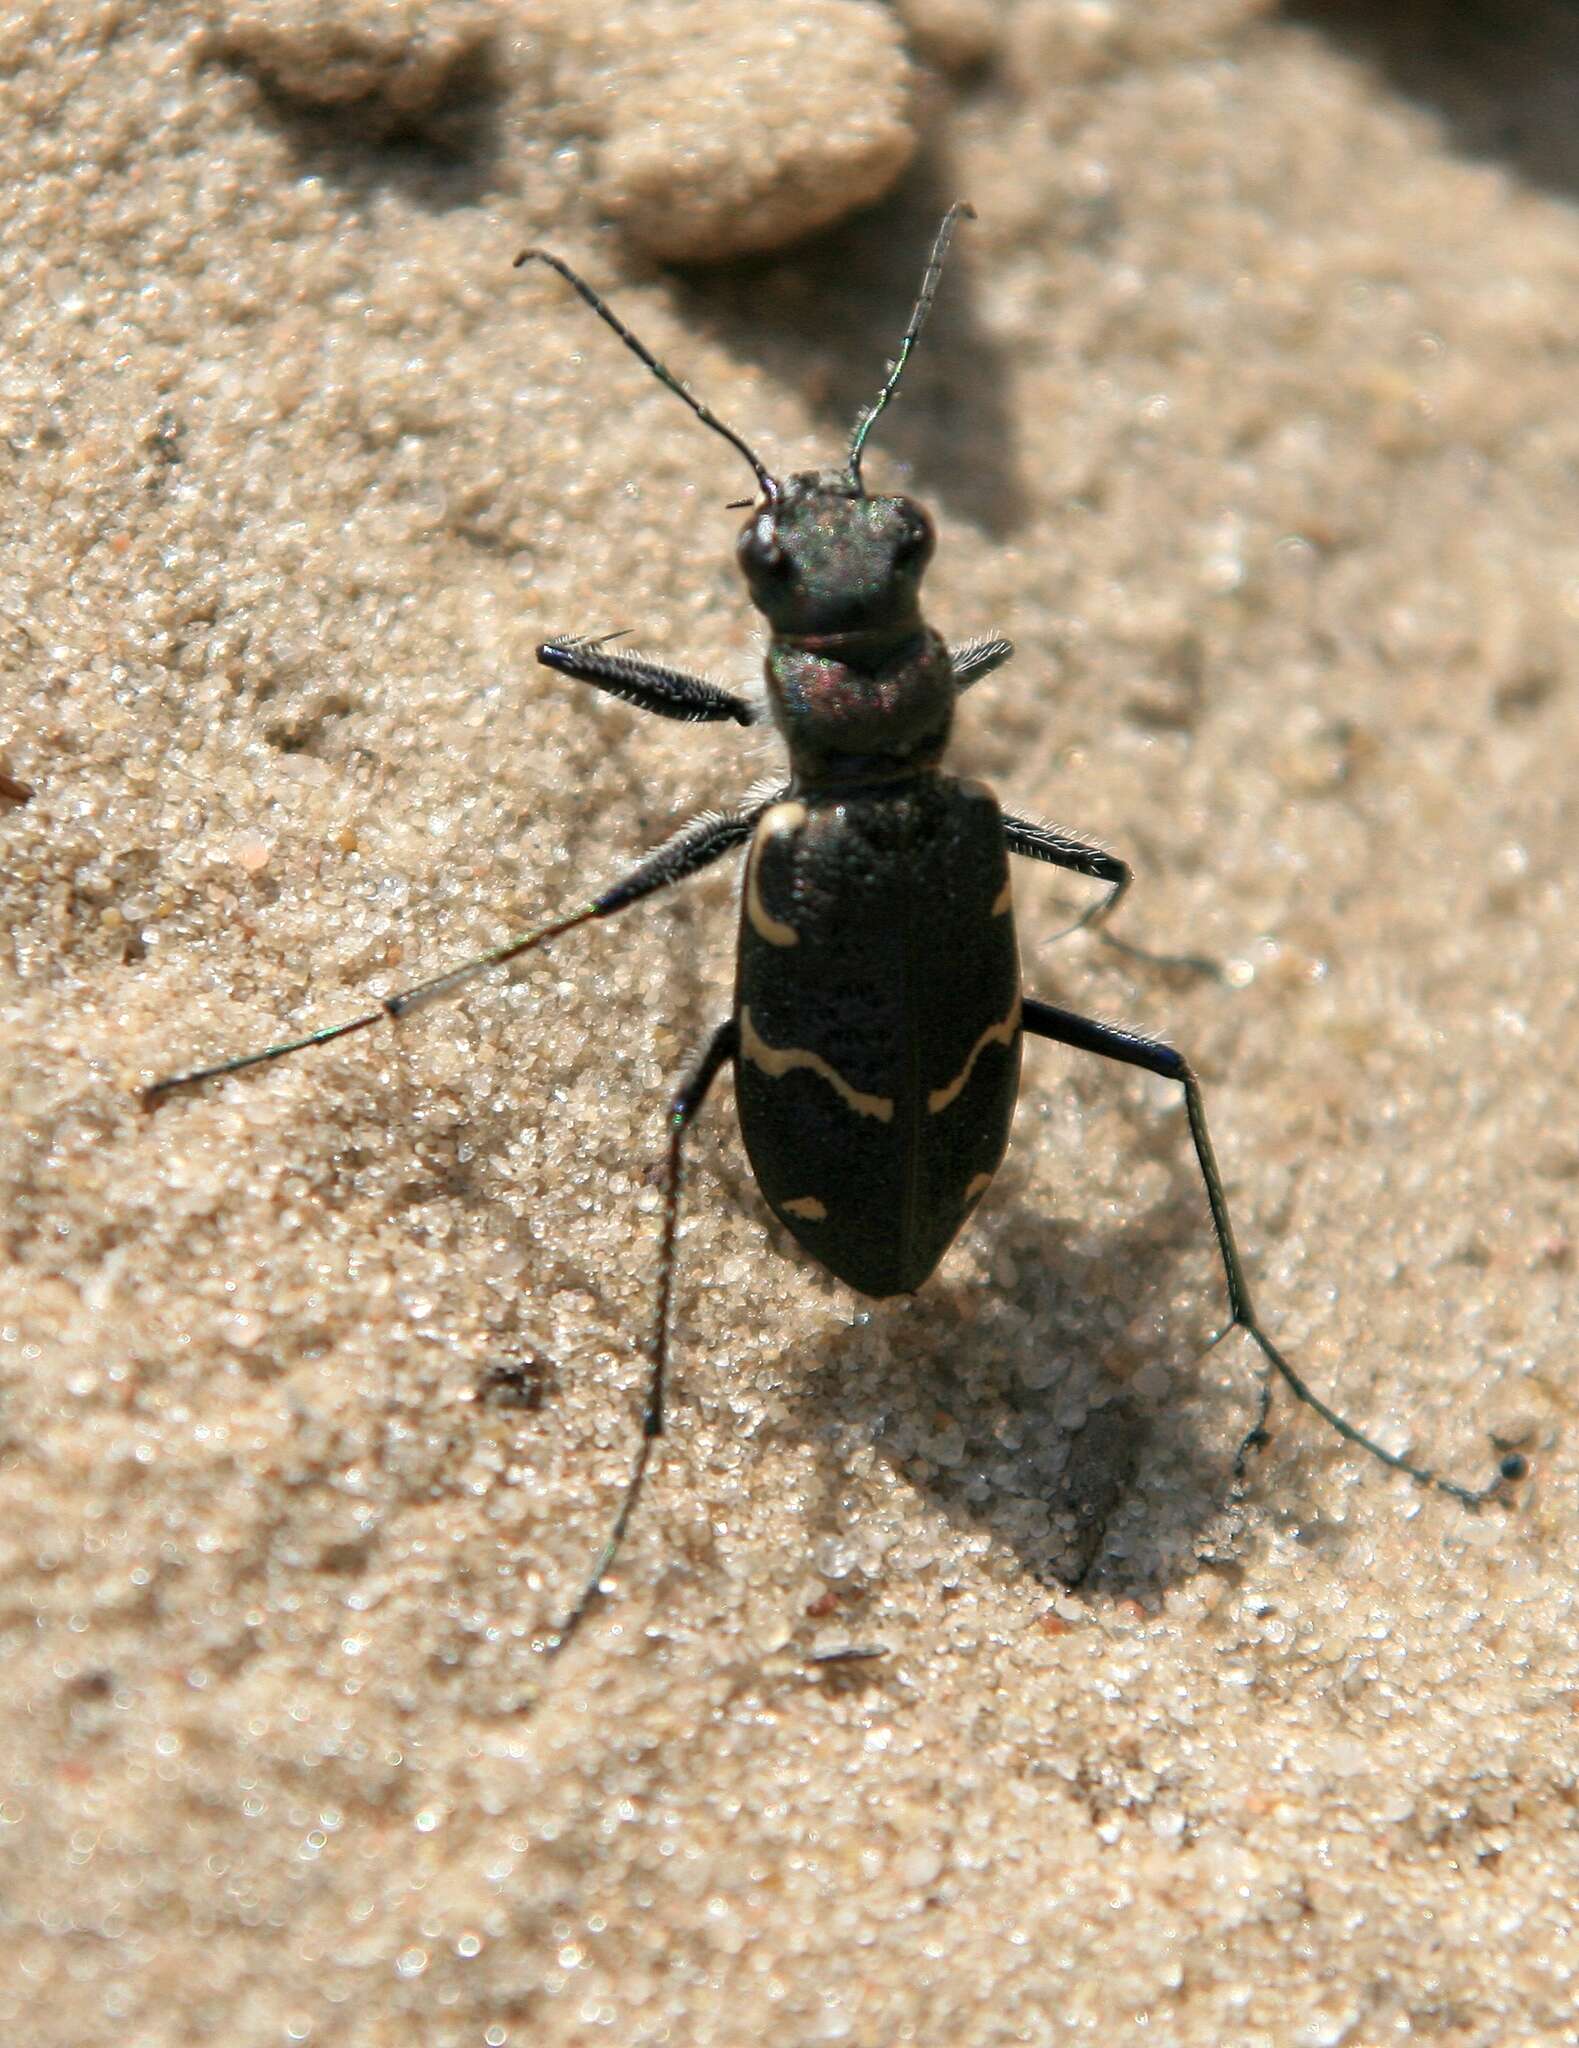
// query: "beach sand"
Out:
[1248,409]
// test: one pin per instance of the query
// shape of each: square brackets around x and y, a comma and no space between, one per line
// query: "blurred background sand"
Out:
[1248,409]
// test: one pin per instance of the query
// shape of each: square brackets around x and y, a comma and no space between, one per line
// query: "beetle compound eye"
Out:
[760,550]
[917,537]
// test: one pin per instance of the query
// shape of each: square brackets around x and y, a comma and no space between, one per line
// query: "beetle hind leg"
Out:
[1064,1027]
[688,1100]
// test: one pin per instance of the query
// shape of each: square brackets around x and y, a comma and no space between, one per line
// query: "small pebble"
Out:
[394,58]
[728,132]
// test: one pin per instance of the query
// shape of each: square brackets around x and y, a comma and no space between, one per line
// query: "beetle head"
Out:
[822,560]
[861,687]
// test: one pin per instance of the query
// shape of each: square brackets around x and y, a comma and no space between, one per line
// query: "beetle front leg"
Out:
[682,1112]
[1064,1027]
[649,685]
[974,659]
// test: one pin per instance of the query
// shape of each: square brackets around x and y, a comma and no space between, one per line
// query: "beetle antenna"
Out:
[661,371]
[960,210]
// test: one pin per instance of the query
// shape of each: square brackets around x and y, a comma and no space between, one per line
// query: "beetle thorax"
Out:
[847,721]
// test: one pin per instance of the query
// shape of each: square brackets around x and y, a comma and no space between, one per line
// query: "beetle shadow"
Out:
[1502,74]
[826,318]
[1060,1402]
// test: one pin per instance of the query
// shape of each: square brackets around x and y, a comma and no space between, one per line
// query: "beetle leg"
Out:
[1110,1042]
[682,1110]
[650,686]
[974,659]
[693,848]
[1041,842]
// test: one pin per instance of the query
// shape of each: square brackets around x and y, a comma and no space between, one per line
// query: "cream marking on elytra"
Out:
[781,818]
[977,1188]
[995,1034]
[776,1063]
[807,1206]
[1003,902]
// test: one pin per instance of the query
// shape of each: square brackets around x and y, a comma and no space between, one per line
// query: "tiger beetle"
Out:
[878,1014]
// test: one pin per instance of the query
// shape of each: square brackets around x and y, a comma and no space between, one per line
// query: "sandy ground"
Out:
[1249,410]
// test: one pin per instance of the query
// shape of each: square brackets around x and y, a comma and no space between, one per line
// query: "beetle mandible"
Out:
[878,1014]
